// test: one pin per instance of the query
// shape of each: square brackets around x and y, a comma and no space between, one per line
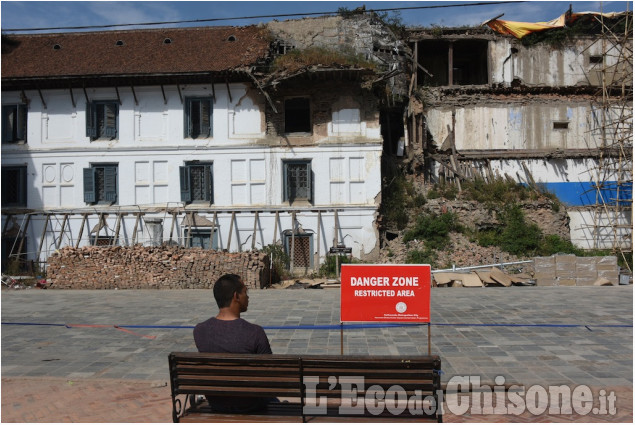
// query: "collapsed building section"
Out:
[556,116]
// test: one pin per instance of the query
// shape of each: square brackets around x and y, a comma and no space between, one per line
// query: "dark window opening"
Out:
[101,120]
[14,186]
[297,115]
[100,184]
[596,59]
[461,62]
[297,181]
[14,123]
[561,125]
[198,118]
[197,184]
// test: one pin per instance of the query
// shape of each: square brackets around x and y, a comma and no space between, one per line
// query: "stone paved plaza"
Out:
[552,335]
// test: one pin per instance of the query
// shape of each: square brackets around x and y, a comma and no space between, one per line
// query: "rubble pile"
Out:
[141,267]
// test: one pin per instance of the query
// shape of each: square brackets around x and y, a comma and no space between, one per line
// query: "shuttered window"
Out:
[14,123]
[297,183]
[100,184]
[198,118]
[101,120]
[197,183]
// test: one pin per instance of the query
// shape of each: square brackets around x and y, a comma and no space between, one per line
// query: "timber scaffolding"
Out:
[189,217]
[613,134]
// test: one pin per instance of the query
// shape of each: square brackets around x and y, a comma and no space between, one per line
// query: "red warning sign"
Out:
[385,293]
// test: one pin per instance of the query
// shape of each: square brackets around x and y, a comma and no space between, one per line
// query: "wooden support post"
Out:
[335,220]
[416,59]
[46,223]
[178,88]
[72,97]
[316,263]
[81,230]
[229,93]
[22,234]
[6,224]
[291,263]
[172,227]
[451,64]
[117,228]
[99,224]
[136,226]
[215,228]
[165,99]
[118,97]
[231,230]
[59,242]
[188,241]
[253,238]
[275,228]
[213,93]
[136,101]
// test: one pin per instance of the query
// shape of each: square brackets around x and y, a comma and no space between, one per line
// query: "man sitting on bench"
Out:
[228,333]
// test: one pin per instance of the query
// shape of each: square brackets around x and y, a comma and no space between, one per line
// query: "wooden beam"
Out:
[451,64]
[213,92]
[165,99]
[180,94]
[70,89]
[275,228]
[117,228]
[64,221]
[291,262]
[6,224]
[136,226]
[335,236]
[253,238]
[172,228]
[229,93]
[231,230]
[42,98]
[317,255]
[189,230]
[81,230]
[22,234]
[136,101]
[46,223]
[118,97]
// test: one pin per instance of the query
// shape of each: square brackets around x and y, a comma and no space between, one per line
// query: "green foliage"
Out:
[443,190]
[302,58]
[500,191]
[397,196]
[425,256]
[554,244]
[519,237]
[434,229]
[327,269]
[279,257]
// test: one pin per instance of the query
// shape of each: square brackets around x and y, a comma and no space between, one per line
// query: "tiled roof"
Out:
[140,52]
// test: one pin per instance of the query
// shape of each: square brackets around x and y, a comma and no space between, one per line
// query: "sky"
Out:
[55,14]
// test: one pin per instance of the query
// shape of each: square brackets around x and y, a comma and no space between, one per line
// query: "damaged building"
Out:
[227,138]
[553,112]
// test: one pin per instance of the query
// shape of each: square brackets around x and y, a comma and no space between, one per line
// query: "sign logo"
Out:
[385,293]
[401,307]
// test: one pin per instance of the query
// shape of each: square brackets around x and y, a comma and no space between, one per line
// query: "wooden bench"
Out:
[309,388]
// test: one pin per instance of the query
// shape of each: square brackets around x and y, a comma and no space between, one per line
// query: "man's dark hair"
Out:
[225,288]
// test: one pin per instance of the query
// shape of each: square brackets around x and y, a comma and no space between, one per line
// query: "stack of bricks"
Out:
[140,267]
[569,270]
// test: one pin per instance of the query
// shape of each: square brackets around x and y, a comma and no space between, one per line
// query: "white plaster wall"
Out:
[514,126]
[544,65]
[592,229]
[150,147]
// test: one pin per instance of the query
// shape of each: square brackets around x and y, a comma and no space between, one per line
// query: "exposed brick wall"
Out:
[165,267]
